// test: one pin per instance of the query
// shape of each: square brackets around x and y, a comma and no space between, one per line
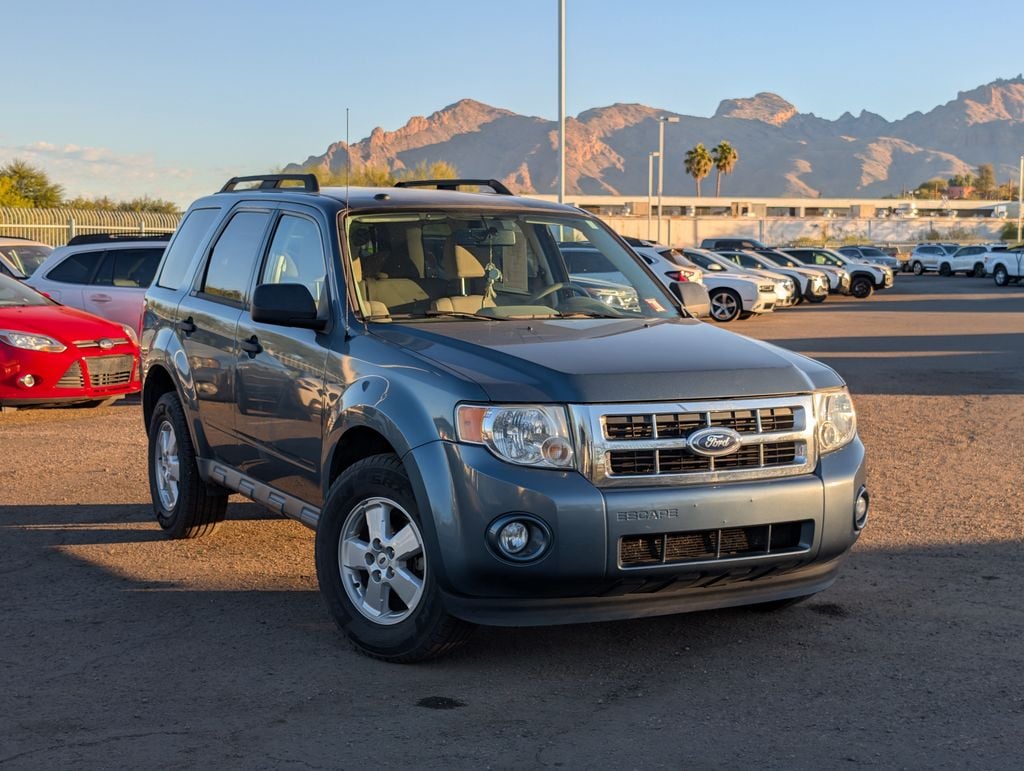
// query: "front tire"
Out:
[979,270]
[817,298]
[185,505]
[945,270]
[376,571]
[918,268]
[861,287]
[725,305]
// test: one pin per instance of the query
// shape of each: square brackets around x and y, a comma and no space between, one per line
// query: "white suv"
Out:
[101,273]
[969,260]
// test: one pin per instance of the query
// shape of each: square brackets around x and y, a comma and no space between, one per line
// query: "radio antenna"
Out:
[348,158]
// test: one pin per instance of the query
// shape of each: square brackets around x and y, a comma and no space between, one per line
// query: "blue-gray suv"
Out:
[477,435]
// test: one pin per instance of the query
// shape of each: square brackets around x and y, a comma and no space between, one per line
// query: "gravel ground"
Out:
[119,648]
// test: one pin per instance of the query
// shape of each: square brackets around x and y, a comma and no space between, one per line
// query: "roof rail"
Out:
[455,184]
[106,238]
[273,182]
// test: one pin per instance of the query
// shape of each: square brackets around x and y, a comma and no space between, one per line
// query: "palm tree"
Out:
[724,157]
[698,164]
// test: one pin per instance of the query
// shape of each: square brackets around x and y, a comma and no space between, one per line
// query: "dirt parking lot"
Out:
[119,648]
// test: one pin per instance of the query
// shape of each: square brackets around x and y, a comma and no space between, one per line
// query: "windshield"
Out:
[459,264]
[706,262]
[868,251]
[15,294]
[26,258]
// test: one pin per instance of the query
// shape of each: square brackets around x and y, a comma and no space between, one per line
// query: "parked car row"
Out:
[744,278]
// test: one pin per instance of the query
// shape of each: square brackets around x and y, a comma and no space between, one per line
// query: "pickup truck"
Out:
[475,437]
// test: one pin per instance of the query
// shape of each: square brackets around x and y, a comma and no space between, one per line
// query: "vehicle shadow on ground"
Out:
[926,365]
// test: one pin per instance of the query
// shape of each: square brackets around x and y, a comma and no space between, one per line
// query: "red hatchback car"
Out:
[51,354]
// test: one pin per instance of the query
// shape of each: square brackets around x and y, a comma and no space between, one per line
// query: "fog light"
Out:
[860,509]
[519,537]
[26,381]
[514,537]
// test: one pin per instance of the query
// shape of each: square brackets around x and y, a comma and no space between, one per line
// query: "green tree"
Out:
[32,184]
[698,164]
[932,190]
[724,156]
[986,182]
[382,176]
[10,197]
[104,203]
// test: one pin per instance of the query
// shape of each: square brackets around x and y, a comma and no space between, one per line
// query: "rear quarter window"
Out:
[191,234]
[76,268]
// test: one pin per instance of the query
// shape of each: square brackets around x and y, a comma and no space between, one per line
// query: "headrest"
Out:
[357,270]
[466,264]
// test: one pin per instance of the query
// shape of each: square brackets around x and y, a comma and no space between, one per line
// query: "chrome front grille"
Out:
[108,342]
[105,371]
[647,444]
[72,378]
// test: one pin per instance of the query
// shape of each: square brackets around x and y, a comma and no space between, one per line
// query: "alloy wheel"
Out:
[167,465]
[382,562]
[724,307]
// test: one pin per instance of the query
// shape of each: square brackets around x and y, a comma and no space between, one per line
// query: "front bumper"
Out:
[462,489]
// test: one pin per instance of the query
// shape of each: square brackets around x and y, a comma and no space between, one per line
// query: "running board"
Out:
[261,493]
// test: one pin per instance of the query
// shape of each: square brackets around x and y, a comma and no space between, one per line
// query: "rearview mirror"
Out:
[694,298]
[287,305]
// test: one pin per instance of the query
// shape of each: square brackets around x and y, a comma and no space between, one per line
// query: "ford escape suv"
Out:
[475,436]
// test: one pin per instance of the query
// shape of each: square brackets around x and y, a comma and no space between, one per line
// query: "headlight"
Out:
[837,420]
[30,342]
[130,333]
[617,298]
[528,434]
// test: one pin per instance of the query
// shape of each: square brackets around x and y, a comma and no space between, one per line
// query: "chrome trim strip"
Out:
[589,423]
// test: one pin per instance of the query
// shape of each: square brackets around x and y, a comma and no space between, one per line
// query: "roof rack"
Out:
[273,182]
[455,184]
[106,238]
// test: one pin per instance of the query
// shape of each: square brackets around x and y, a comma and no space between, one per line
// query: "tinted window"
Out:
[296,256]
[76,269]
[128,267]
[749,262]
[870,252]
[190,234]
[26,258]
[587,261]
[14,293]
[233,256]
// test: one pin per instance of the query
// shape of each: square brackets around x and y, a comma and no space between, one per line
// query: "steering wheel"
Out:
[558,287]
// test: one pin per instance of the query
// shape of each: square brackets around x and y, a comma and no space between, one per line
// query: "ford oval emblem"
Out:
[106,344]
[714,442]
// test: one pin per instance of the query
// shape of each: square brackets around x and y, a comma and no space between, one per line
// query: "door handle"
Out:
[187,326]
[100,298]
[251,346]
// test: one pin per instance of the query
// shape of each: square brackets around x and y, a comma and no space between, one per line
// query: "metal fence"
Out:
[57,226]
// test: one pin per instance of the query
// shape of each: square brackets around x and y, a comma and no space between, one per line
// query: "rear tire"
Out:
[979,270]
[185,505]
[817,298]
[944,269]
[1000,276]
[377,573]
[918,268]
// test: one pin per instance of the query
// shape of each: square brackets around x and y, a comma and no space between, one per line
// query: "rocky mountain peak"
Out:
[765,107]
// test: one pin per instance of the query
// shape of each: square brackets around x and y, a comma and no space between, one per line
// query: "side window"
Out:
[76,269]
[747,261]
[128,267]
[191,233]
[232,258]
[296,256]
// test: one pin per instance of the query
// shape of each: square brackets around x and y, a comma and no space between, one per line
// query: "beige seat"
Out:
[464,265]
[382,285]
[373,307]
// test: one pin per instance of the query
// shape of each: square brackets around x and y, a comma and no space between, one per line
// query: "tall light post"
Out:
[1020,198]
[650,186]
[662,120]
[561,101]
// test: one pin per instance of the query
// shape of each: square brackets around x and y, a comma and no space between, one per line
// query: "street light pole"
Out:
[561,101]
[1020,198]
[662,120]
[650,185]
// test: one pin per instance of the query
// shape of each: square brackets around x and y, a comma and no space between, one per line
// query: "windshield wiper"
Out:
[590,315]
[455,314]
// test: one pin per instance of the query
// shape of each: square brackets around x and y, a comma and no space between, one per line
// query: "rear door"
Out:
[207,318]
[67,281]
[279,384]
[118,287]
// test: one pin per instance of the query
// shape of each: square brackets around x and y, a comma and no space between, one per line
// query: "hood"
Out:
[580,361]
[59,322]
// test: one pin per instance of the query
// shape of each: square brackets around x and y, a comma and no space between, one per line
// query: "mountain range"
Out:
[781,150]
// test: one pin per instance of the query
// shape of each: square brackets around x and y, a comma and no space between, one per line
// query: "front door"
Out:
[279,387]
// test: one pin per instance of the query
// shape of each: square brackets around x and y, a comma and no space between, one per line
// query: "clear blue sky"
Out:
[126,98]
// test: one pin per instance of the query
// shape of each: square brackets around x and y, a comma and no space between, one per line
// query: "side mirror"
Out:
[694,298]
[287,305]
